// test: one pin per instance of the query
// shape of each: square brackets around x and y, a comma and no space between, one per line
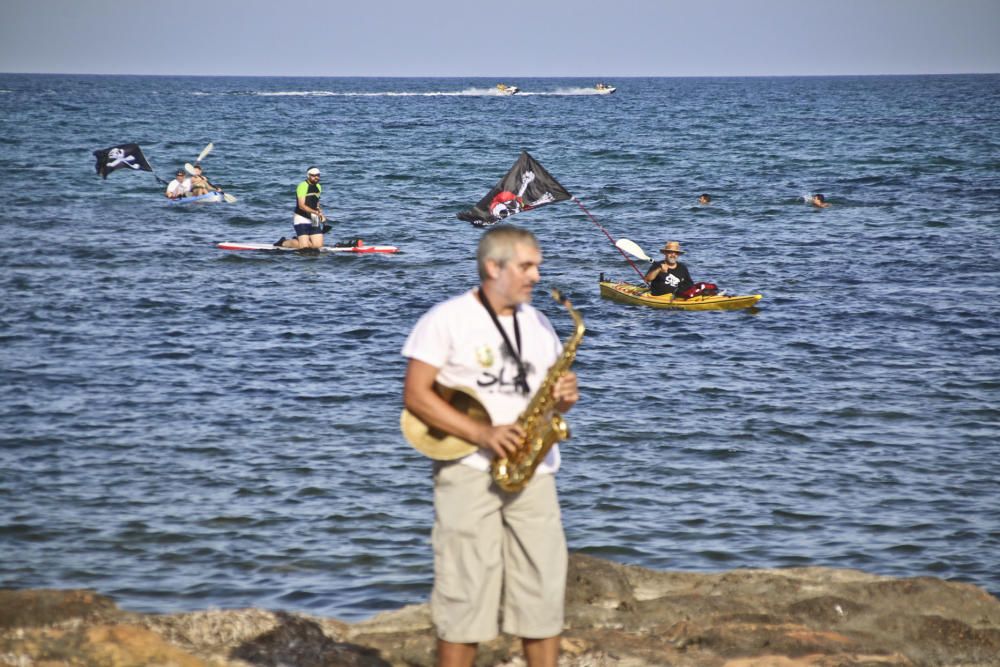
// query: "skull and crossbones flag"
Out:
[526,186]
[117,157]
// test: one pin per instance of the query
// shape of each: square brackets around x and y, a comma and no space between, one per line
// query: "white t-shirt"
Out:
[178,188]
[459,338]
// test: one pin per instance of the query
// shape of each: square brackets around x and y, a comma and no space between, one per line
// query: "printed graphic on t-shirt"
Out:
[502,380]
[484,355]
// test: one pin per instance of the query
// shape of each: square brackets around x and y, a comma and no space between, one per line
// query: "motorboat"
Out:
[504,89]
[604,89]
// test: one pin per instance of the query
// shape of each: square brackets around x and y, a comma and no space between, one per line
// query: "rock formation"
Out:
[617,616]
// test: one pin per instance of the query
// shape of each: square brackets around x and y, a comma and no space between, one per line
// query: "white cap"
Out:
[313,171]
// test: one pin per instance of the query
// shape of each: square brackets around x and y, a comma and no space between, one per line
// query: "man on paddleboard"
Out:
[492,547]
[669,276]
[308,218]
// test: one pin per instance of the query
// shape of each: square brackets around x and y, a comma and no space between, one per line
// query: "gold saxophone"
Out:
[542,425]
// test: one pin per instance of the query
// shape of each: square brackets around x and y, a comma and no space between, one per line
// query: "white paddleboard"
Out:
[360,248]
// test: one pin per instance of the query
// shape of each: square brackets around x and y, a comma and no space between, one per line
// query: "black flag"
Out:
[123,155]
[526,186]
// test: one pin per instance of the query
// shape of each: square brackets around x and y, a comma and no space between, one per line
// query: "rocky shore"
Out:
[617,615]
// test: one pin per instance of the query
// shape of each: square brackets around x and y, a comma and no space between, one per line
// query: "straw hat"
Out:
[672,246]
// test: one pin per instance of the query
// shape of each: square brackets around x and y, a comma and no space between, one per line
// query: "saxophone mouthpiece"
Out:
[559,296]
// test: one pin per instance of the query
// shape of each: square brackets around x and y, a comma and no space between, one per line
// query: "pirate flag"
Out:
[123,155]
[526,186]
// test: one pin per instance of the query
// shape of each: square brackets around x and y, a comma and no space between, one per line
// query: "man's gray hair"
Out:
[497,243]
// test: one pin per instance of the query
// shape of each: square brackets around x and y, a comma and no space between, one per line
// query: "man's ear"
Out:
[493,268]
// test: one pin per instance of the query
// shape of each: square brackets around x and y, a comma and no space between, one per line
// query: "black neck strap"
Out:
[521,381]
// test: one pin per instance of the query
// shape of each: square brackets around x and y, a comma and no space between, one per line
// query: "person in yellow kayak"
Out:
[669,276]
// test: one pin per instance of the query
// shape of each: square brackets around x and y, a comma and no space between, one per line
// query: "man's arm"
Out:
[312,211]
[653,272]
[420,398]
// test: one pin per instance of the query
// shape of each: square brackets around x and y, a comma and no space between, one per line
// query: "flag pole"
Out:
[152,170]
[594,220]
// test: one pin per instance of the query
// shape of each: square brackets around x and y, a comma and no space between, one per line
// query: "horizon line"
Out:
[508,77]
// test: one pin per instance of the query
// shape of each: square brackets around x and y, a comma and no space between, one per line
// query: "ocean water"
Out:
[185,428]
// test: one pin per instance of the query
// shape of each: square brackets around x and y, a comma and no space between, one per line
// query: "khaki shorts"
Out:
[489,544]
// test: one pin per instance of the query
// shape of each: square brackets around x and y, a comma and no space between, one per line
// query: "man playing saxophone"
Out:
[488,542]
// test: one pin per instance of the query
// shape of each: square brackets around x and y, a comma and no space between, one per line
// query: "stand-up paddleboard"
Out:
[208,198]
[357,247]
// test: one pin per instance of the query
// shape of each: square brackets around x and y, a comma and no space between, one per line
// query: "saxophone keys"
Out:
[559,427]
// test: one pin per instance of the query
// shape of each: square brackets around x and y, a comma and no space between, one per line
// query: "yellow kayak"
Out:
[639,295]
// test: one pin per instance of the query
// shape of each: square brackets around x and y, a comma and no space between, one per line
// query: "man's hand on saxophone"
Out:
[566,392]
[505,440]
[501,440]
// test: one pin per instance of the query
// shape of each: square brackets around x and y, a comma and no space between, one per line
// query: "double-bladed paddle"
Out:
[632,248]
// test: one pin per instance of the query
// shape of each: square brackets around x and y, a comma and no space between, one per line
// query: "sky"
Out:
[511,38]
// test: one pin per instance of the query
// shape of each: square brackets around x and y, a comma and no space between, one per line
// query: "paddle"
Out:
[632,248]
[204,152]
[225,195]
[610,238]
[201,156]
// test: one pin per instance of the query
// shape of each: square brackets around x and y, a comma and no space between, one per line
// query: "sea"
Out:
[185,428]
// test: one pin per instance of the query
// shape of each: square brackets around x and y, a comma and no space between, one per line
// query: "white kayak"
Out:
[357,247]
[208,198]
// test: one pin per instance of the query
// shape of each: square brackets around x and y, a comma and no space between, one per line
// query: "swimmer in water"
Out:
[819,201]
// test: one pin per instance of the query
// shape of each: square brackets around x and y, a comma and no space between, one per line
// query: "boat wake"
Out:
[576,91]
[467,92]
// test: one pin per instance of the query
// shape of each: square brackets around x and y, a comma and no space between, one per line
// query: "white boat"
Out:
[504,89]
[604,89]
